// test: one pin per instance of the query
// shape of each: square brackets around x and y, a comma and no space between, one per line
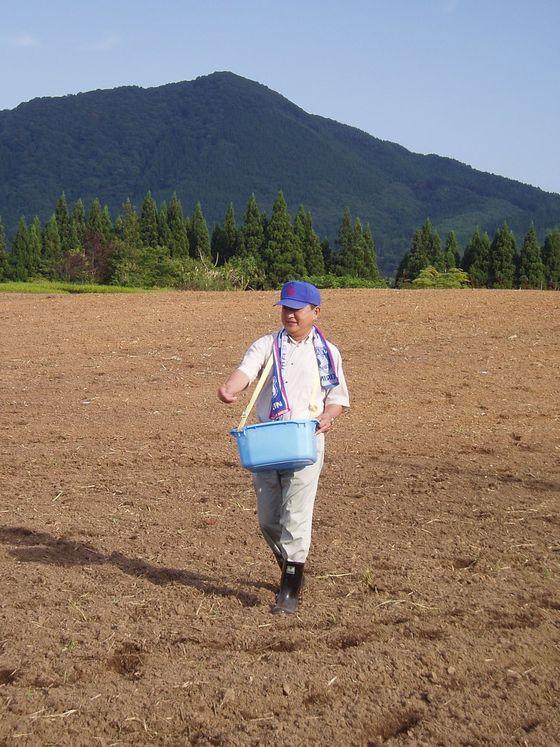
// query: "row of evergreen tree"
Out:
[489,264]
[160,245]
[157,243]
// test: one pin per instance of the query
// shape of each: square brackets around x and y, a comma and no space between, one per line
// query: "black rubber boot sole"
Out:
[285,606]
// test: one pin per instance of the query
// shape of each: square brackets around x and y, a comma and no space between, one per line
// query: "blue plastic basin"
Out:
[278,444]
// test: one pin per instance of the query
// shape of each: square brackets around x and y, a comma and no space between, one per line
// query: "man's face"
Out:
[298,322]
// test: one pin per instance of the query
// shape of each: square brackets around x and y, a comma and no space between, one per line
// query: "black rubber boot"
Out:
[290,585]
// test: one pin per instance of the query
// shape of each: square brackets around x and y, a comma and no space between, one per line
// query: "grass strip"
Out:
[55,286]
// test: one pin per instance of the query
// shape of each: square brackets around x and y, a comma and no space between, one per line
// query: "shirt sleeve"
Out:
[256,357]
[338,395]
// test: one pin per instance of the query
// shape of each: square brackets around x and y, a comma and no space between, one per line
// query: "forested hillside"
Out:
[220,138]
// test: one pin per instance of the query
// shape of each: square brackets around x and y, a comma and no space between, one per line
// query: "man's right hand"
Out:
[236,383]
[225,395]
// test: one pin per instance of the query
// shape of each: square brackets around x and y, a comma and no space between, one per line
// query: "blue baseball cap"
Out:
[296,294]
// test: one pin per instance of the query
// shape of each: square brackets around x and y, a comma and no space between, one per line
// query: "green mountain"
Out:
[219,138]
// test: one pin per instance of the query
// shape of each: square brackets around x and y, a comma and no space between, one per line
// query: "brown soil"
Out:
[135,589]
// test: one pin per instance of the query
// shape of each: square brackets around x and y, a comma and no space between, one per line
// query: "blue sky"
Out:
[477,80]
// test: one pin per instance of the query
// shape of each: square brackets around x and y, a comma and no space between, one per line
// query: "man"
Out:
[301,356]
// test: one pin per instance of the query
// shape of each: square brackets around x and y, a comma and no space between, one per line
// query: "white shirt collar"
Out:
[305,339]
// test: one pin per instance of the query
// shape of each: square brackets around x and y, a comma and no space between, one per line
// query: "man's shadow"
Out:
[41,547]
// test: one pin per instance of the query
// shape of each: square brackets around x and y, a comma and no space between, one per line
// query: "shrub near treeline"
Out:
[161,247]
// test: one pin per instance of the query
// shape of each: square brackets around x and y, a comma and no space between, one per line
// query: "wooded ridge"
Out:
[220,138]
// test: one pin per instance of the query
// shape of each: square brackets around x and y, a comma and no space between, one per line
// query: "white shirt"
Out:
[300,374]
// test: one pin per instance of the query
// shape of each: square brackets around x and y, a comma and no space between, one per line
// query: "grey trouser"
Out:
[285,500]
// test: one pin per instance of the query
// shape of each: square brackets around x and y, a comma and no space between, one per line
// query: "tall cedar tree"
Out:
[95,223]
[432,241]
[264,221]
[451,253]
[425,251]
[118,227]
[130,226]
[312,251]
[358,249]
[225,239]
[476,259]
[551,259]
[345,260]
[328,256]
[163,226]
[370,256]
[531,268]
[4,259]
[502,259]
[107,229]
[199,238]
[52,250]
[149,222]
[35,247]
[309,243]
[63,223]
[283,258]
[364,261]
[299,228]
[74,242]
[178,234]
[99,221]
[252,232]
[78,220]
[20,258]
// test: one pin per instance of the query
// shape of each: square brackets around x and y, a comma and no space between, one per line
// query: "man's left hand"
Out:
[326,422]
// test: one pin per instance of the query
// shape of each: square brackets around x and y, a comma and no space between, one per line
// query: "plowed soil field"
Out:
[135,589]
